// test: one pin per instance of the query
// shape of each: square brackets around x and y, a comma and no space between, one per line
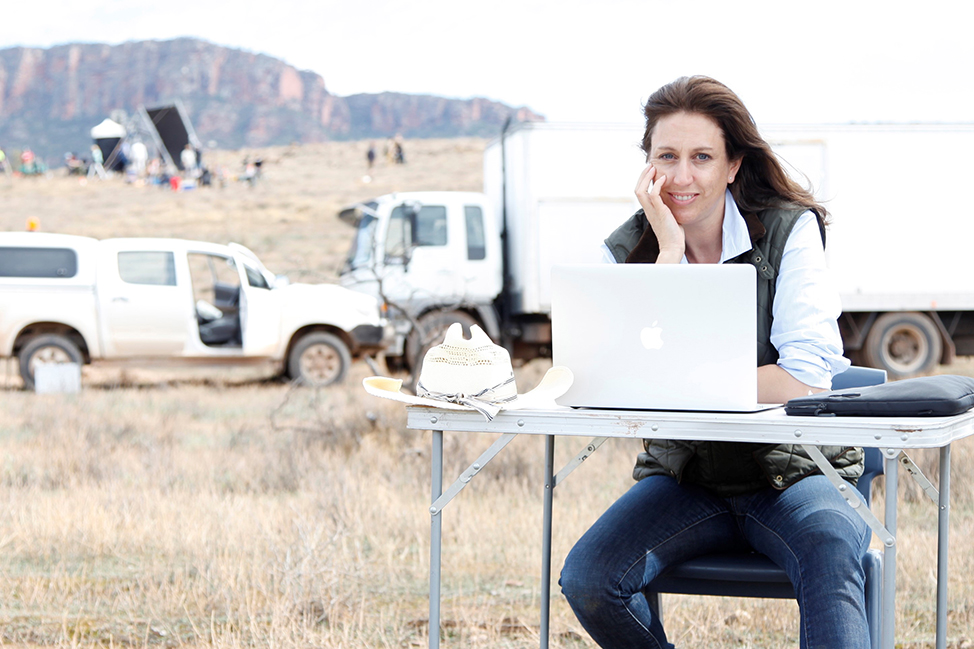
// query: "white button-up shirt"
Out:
[806,308]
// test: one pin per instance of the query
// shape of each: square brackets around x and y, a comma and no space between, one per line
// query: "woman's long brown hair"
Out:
[761,182]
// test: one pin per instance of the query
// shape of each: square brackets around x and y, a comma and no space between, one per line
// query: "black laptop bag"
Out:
[925,396]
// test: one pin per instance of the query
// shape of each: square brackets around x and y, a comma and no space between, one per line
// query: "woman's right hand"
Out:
[669,233]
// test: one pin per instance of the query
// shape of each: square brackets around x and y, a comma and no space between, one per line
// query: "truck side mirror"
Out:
[411,209]
[409,212]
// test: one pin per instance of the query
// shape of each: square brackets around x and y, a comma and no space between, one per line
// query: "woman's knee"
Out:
[828,560]
[579,577]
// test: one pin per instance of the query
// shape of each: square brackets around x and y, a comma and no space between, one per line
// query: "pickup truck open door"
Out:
[260,308]
[260,315]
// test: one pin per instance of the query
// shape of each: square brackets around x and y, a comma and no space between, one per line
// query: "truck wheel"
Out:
[47,348]
[903,344]
[432,329]
[319,359]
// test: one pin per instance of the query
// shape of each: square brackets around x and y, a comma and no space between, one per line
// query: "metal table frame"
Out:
[891,435]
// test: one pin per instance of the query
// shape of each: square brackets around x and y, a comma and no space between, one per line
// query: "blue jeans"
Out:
[807,529]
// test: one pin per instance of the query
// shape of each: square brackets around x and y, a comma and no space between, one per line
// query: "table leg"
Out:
[888,633]
[549,488]
[436,536]
[943,531]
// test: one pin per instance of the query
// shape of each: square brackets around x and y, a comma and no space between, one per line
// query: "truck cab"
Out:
[417,252]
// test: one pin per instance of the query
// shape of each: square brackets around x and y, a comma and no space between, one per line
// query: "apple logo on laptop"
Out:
[651,337]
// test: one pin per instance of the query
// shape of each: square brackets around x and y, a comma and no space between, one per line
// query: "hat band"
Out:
[487,407]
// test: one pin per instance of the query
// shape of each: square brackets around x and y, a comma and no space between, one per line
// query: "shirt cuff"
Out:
[813,367]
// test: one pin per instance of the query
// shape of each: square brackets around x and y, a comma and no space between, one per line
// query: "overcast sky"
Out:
[810,61]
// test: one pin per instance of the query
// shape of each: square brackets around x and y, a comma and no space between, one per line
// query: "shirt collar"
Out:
[735,238]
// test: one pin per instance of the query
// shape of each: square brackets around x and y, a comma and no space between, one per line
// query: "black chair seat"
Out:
[735,575]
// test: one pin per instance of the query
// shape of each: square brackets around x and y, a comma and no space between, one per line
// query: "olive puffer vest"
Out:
[734,468]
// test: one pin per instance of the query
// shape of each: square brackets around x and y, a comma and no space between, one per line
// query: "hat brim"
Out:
[555,383]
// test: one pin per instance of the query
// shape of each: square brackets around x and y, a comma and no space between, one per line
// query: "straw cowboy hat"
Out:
[461,374]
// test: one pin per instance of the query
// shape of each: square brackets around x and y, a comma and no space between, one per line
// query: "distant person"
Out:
[400,154]
[252,170]
[27,164]
[187,158]
[389,150]
[370,155]
[75,166]
[153,171]
[140,156]
[120,162]
[97,167]
[124,159]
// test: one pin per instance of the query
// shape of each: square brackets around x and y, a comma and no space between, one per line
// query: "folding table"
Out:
[892,435]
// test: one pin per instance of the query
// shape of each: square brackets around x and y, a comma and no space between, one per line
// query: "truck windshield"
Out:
[361,253]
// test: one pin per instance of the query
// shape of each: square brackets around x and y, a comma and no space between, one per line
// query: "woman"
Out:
[713,192]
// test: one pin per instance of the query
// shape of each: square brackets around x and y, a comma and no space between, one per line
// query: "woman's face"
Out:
[688,148]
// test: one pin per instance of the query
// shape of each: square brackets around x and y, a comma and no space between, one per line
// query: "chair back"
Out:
[860,377]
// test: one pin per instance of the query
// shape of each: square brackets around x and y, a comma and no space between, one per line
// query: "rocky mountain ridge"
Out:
[50,98]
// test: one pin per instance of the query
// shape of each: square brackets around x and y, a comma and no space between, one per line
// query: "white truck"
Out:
[553,192]
[66,298]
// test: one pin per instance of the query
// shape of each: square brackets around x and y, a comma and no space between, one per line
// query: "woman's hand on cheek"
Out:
[669,233]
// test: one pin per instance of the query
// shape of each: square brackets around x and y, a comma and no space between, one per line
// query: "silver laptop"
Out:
[657,337]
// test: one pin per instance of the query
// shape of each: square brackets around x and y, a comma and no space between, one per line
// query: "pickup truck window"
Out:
[255,278]
[476,248]
[60,263]
[157,268]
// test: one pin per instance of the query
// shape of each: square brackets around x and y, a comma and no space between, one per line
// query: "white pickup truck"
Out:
[66,298]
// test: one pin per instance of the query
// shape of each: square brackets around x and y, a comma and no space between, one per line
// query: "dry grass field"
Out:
[227,509]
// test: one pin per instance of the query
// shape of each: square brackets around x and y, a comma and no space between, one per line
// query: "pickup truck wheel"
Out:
[432,329]
[48,348]
[319,359]
[903,344]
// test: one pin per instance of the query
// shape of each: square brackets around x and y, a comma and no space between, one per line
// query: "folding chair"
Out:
[754,575]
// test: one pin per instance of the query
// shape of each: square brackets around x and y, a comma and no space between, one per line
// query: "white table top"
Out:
[769,426]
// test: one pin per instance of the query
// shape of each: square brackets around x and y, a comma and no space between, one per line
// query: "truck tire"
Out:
[432,329]
[319,359]
[904,344]
[46,348]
